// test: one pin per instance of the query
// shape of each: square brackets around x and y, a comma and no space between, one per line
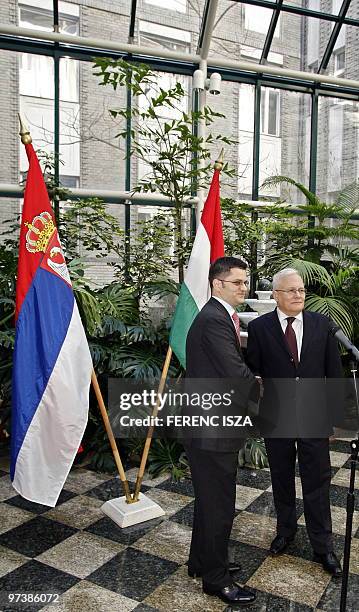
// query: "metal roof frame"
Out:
[334,35]
[30,41]
[298,10]
[270,34]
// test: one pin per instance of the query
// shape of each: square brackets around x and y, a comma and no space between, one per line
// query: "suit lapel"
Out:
[308,331]
[275,329]
[225,313]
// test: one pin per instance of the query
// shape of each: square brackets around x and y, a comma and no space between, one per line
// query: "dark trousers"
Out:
[214,483]
[315,474]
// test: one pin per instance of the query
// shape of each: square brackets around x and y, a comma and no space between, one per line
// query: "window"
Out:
[71,182]
[257,19]
[164,37]
[270,112]
[37,71]
[313,37]
[172,5]
[152,34]
[339,61]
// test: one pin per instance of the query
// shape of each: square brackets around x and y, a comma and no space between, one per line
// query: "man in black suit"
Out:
[298,360]
[213,351]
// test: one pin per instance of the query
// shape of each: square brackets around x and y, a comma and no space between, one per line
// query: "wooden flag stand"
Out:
[120,509]
[111,438]
[146,449]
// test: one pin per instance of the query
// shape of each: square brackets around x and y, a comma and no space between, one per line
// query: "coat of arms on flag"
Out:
[52,362]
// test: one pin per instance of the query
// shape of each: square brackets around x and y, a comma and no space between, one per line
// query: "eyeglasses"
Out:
[301,291]
[237,283]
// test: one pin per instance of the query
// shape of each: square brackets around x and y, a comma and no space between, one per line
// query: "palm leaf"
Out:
[309,271]
[274,181]
[348,198]
[334,308]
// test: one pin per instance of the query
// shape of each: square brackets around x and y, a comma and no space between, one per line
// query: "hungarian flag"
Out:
[52,362]
[195,291]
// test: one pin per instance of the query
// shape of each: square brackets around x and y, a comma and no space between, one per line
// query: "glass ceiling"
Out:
[258,31]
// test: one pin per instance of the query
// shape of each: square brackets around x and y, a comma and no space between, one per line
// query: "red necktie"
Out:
[291,340]
[237,326]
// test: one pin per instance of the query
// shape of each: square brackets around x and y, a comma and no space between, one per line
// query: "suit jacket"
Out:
[214,355]
[303,401]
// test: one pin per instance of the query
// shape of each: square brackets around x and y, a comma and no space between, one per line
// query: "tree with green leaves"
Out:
[163,138]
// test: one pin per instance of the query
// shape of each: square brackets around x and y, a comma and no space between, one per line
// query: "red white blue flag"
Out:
[52,362]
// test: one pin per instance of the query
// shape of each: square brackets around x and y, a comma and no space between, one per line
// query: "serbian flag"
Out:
[52,363]
[195,290]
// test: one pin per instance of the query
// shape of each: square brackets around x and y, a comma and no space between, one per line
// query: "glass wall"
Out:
[92,157]
[337,158]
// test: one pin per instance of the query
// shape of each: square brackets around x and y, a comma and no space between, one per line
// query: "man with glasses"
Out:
[296,356]
[213,351]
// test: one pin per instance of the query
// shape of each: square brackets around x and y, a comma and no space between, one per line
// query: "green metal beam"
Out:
[131,31]
[313,157]
[255,183]
[299,10]
[313,142]
[334,35]
[270,34]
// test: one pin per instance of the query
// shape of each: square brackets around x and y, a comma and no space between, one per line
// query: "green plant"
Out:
[253,454]
[310,235]
[167,456]
[163,138]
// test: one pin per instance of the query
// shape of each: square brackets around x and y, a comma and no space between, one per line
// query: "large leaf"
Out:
[160,288]
[274,181]
[334,308]
[89,307]
[136,362]
[7,338]
[167,456]
[119,302]
[348,199]
[311,272]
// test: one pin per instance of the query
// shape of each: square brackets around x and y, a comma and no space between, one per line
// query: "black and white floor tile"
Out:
[93,565]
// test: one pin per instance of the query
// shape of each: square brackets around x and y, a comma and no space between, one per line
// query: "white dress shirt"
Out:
[297,326]
[227,306]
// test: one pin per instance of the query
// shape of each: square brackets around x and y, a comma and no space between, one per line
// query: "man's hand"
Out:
[261,386]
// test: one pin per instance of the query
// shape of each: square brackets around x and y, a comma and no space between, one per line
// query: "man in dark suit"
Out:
[298,361]
[213,351]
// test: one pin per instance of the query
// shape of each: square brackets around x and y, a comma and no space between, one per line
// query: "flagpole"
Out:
[111,438]
[146,449]
[218,165]
[26,139]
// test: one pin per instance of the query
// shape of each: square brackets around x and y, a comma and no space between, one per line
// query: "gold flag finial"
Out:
[218,164]
[24,131]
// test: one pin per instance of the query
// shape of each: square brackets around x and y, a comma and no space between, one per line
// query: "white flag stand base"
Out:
[125,515]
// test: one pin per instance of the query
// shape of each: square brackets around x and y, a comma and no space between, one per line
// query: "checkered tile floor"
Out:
[76,551]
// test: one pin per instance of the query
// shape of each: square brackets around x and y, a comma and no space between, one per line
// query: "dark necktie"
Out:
[237,326]
[292,340]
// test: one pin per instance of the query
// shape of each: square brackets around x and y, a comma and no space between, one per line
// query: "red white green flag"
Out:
[195,291]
